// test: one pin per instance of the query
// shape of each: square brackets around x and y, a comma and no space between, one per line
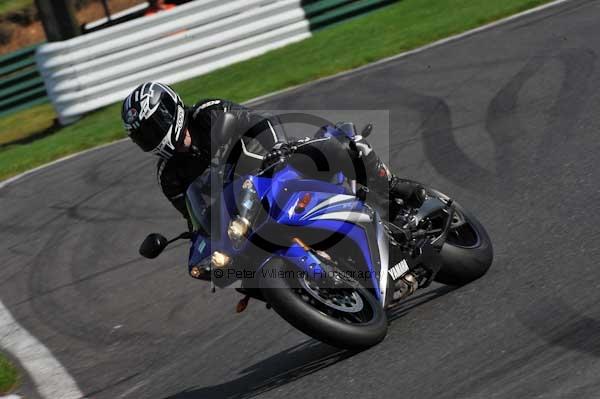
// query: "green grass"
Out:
[391,30]
[13,5]
[9,376]
[21,125]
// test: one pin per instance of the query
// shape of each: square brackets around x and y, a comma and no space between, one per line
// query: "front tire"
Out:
[291,299]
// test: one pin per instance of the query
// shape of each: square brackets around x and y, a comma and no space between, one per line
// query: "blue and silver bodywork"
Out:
[291,206]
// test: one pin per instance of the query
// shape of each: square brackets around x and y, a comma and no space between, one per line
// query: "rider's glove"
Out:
[361,146]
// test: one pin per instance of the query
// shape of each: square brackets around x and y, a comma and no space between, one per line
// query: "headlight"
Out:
[248,206]
[249,202]
[238,228]
[219,259]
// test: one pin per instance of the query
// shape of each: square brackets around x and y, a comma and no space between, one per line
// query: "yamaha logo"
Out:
[399,270]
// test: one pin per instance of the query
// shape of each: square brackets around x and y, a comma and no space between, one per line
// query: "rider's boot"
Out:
[391,192]
[411,193]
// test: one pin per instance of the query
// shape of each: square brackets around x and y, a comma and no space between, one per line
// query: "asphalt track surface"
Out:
[506,121]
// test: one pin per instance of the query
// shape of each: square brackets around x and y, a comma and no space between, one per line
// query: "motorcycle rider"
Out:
[184,139]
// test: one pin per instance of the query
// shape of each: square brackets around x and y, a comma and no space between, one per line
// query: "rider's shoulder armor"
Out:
[205,112]
[210,104]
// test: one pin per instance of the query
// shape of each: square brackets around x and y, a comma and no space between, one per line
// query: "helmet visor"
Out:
[153,130]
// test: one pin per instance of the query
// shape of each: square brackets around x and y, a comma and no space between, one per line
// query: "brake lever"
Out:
[282,159]
[262,171]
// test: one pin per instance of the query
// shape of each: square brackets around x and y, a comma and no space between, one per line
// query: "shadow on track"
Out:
[415,301]
[273,372]
[296,362]
[560,325]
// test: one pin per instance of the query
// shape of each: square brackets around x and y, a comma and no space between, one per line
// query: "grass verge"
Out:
[400,27]
[26,125]
[9,377]
[14,5]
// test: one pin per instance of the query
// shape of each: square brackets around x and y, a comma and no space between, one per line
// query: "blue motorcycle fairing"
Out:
[199,249]
[307,263]
[331,208]
[332,131]
[345,214]
[296,255]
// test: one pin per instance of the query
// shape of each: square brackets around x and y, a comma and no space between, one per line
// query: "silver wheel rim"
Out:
[345,300]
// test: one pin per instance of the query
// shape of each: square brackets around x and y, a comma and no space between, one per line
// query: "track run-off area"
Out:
[506,121]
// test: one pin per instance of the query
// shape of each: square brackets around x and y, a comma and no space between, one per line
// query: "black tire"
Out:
[464,261]
[282,294]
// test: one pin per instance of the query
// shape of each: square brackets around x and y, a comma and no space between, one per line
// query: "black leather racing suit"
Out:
[257,131]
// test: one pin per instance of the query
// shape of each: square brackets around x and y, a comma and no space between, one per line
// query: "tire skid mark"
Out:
[441,149]
[502,122]
[503,116]
[574,94]
[60,224]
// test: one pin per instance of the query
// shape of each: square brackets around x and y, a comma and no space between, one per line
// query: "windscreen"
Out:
[198,201]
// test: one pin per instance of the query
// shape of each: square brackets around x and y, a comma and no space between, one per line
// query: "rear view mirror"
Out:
[153,245]
[367,130]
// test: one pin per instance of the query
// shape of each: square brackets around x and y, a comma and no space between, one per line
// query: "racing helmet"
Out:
[154,118]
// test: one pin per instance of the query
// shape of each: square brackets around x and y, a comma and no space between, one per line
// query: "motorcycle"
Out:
[319,254]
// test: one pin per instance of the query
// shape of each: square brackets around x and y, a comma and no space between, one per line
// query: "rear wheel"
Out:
[345,317]
[467,254]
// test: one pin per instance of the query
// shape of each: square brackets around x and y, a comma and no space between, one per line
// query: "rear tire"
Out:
[467,260]
[286,297]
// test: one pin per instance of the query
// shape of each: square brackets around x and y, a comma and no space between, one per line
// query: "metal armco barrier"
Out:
[21,85]
[324,13]
[100,68]
[94,70]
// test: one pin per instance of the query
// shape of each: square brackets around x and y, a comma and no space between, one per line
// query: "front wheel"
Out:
[348,318]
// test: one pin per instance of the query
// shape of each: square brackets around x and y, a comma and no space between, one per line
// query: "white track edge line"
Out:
[49,376]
